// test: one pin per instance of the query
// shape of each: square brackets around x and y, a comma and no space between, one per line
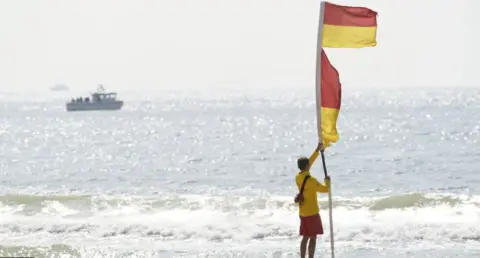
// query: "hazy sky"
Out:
[195,44]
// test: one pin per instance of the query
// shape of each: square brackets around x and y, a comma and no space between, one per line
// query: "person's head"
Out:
[303,163]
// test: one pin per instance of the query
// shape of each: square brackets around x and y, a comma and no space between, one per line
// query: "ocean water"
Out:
[211,174]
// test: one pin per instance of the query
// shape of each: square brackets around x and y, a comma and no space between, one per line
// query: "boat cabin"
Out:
[101,97]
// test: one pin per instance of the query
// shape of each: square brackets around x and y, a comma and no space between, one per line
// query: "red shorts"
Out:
[311,225]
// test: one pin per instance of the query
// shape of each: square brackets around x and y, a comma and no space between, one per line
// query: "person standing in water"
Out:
[310,221]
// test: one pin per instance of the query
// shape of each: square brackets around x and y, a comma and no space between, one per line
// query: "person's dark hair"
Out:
[303,163]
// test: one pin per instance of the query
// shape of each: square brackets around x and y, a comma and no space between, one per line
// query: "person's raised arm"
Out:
[315,153]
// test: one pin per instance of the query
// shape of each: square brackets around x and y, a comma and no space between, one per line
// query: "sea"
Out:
[211,174]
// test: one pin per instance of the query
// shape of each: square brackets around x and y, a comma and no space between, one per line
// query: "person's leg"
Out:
[303,232]
[311,246]
[313,225]
[303,246]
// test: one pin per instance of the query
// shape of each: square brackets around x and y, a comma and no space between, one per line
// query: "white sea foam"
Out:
[206,221]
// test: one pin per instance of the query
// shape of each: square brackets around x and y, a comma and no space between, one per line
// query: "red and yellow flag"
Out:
[349,27]
[331,96]
[343,27]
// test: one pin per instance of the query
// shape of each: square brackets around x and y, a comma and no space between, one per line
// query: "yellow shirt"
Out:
[312,186]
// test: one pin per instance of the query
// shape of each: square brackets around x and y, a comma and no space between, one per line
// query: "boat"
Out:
[59,87]
[99,100]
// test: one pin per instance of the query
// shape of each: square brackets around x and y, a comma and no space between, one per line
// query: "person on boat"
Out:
[310,221]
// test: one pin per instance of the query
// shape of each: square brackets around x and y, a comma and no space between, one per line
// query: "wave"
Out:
[421,200]
[37,203]
[215,219]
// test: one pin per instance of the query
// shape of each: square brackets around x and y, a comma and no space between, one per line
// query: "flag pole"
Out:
[332,246]
[318,81]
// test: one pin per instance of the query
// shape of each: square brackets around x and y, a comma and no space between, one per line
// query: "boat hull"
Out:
[114,105]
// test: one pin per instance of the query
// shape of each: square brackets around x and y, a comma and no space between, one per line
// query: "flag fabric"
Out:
[349,27]
[331,95]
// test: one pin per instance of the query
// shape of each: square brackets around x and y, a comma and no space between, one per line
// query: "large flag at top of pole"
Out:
[349,27]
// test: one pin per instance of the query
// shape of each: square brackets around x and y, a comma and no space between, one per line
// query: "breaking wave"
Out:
[31,204]
[165,221]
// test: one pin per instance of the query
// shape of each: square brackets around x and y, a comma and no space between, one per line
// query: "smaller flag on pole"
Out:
[331,95]
[349,27]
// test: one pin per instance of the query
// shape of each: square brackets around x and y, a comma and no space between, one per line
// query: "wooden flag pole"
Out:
[318,81]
